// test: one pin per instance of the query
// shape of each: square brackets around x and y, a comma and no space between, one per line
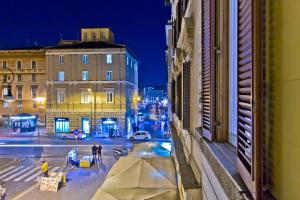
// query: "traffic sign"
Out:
[75,132]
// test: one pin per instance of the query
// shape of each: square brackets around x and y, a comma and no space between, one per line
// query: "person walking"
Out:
[44,168]
[3,191]
[94,152]
[99,151]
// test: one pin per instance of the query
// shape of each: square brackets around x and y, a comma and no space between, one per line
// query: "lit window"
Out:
[20,104]
[109,96]
[19,64]
[108,75]
[61,59]
[127,61]
[4,64]
[5,91]
[85,97]
[61,76]
[33,91]
[60,95]
[33,64]
[103,36]
[85,59]
[33,77]
[5,104]
[108,58]
[85,75]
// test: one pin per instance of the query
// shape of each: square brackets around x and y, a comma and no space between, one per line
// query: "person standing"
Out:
[99,152]
[94,152]
[44,168]
[3,191]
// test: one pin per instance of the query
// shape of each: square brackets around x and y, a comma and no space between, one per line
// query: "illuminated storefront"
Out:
[85,124]
[23,122]
[109,126]
[62,125]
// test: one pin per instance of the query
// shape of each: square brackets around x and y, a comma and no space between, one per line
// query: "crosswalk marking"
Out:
[11,172]
[5,170]
[17,174]
[27,174]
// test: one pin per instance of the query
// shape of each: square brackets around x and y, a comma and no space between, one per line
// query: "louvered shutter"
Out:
[179,96]
[186,95]
[248,79]
[208,67]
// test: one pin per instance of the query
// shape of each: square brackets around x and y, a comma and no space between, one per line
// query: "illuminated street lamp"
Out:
[7,96]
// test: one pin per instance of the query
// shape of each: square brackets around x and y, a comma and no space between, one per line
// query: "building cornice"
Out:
[84,51]
[88,82]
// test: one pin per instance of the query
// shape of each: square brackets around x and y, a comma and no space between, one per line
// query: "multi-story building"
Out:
[153,94]
[235,94]
[29,85]
[91,85]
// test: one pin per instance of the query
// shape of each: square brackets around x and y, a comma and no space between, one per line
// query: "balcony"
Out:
[86,107]
[24,71]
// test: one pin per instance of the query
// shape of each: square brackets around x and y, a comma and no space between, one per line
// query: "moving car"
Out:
[140,135]
[81,135]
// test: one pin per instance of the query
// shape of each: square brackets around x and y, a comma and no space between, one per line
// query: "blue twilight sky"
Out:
[140,24]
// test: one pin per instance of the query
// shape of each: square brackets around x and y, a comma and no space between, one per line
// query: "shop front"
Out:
[62,125]
[85,124]
[23,122]
[109,127]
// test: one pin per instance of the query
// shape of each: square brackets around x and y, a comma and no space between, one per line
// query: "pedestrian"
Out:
[3,191]
[94,152]
[99,149]
[44,168]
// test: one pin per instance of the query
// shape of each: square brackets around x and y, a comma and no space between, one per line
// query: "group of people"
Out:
[3,191]
[97,151]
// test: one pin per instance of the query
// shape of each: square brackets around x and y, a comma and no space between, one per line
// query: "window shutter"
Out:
[248,88]
[208,67]
[186,95]
[179,96]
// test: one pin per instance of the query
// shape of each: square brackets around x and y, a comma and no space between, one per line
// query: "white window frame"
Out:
[85,97]
[58,75]
[85,75]
[103,36]
[5,104]
[4,91]
[60,95]
[109,59]
[61,59]
[108,75]
[85,59]
[32,64]
[17,64]
[110,96]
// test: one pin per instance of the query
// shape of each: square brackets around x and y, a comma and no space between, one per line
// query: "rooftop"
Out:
[88,45]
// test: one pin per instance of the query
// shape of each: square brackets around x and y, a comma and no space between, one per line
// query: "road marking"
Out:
[17,174]
[27,174]
[33,176]
[5,170]
[11,172]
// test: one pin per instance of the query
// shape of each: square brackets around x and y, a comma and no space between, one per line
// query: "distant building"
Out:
[97,34]
[152,94]
[29,86]
[91,85]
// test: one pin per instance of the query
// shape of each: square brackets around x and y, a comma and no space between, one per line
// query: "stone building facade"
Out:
[29,85]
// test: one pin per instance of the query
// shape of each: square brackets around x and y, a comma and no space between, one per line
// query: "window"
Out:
[34,104]
[85,36]
[85,75]
[85,59]
[5,91]
[108,75]
[94,36]
[19,77]
[33,64]
[109,96]
[5,104]
[61,59]
[60,95]
[108,58]
[34,91]
[61,76]
[4,64]
[85,97]
[19,92]
[20,104]
[103,36]
[19,64]
[33,78]
[127,60]
[5,78]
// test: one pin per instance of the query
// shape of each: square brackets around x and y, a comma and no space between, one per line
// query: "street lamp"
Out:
[8,97]
[40,101]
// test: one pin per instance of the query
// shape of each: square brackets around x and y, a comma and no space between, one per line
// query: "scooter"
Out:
[118,152]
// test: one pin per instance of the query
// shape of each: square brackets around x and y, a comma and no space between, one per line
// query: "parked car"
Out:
[140,135]
[81,135]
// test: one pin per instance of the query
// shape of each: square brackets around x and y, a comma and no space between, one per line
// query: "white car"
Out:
[140,135]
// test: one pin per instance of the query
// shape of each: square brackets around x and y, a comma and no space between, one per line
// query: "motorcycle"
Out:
[119,152]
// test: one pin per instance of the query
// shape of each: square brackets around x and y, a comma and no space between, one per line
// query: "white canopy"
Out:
[140,178]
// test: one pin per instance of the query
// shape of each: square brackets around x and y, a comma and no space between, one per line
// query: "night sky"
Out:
[137,23]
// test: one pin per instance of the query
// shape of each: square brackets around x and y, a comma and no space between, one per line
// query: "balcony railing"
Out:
[86,106]
[24,71]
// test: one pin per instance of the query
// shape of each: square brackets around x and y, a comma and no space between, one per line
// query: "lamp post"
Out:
[40,103]
[7,83]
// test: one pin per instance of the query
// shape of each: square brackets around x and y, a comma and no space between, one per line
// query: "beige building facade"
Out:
[92,86]
[28,86]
